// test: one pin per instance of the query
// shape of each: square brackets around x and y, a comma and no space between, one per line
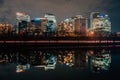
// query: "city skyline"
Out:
[59,39]
[62,9]
[47,26]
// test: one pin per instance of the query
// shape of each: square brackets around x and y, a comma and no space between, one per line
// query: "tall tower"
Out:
[51,26]
[37,26]
[22,20]
[81,25]
[100,21]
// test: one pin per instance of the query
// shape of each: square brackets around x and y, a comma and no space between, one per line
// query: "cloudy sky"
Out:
[61,8]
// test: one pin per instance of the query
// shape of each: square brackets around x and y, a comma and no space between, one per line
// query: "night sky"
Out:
[61,8]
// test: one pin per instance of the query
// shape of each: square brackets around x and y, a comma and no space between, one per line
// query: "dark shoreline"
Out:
[58,42]
[33,46]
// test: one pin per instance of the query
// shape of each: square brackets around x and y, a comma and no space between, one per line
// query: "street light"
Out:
[91,33]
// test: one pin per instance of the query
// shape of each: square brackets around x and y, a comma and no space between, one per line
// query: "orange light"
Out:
[91,32]
[20,71]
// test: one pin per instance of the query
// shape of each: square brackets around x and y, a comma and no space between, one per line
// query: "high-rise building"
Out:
[6,28]
[44,22]
[51,25]
[37,26]
[74,26]
[69,26]
[22,20]
[66,27]
[22,17]
[22,27]
[100,21]
[81,25]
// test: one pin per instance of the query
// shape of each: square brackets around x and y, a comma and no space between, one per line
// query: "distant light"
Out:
[91,33]
[20,71]
[20,13]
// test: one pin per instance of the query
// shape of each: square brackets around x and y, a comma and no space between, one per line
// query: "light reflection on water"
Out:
[95,61]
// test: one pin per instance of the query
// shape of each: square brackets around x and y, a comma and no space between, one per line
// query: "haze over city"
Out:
[62,9]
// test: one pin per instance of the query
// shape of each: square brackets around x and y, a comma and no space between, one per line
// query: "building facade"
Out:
[100,23]
[74,26]
[51,24]
[81,25]
[22,21]
[37,26]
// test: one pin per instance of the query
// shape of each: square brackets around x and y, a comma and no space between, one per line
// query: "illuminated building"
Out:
[22,20]
[22,17]
[81,25]
[22,27]
[100,23]
[61,31]
[37,26]
[66,28]
[51,25]
[33,27]
[42,26]
[74,26]
[69,25]
[6,28]
[44,22]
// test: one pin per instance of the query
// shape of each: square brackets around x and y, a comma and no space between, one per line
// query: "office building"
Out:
[100,24]
[51,25]
[37,26]
[22,20]
[6,28]
[81,25]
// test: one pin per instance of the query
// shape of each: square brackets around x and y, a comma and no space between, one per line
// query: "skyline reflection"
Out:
[94,60]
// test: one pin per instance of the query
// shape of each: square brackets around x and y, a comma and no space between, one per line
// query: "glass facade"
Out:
[100,21]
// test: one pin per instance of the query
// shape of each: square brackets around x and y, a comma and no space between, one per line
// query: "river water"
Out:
[98,63]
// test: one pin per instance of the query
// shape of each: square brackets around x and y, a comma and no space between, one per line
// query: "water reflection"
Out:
[95,60]
[100,62]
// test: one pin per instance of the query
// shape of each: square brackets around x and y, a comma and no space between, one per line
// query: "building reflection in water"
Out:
[101,61]
[66,57]
[95,60]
